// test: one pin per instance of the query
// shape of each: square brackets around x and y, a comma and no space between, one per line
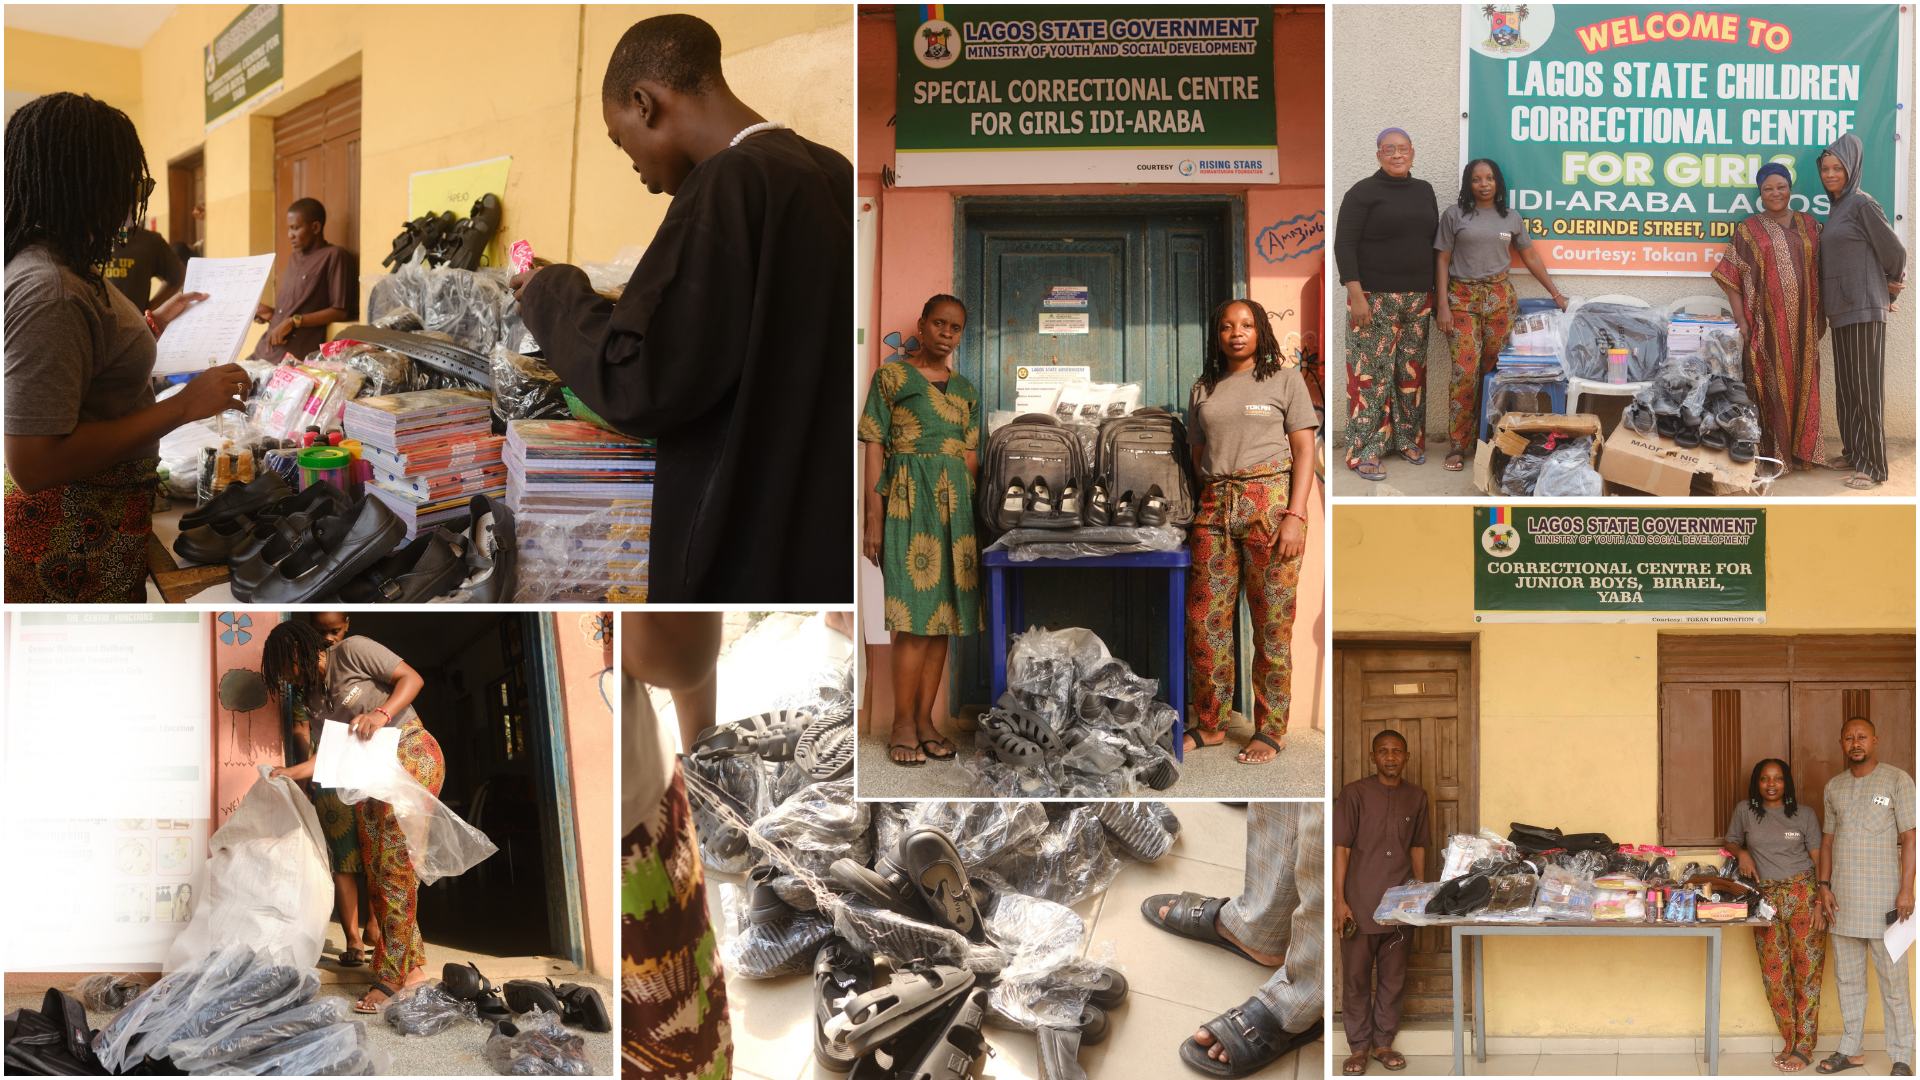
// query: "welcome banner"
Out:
[1630,134]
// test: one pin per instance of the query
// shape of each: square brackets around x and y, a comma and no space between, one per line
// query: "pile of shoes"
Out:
[445,240]
[528,1018]
[1035,506]
[1695,405]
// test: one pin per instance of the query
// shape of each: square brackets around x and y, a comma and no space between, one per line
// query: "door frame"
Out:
[565,927]
[180,191]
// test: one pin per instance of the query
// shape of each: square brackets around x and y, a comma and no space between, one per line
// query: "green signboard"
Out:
[245,64]
[1630,134]
[1018,94]
[1568,564]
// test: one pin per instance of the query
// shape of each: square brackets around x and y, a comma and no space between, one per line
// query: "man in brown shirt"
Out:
[1379,842]
[319,285]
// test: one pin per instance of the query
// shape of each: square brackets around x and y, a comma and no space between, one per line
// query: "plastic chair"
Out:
[1578,387]
[1556,394]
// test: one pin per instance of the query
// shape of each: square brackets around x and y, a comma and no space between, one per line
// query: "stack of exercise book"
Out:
[582,501]
[428,453]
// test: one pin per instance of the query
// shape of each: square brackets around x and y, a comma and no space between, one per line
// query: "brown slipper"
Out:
[1456,461]
[1356,1065]
[1389,1058]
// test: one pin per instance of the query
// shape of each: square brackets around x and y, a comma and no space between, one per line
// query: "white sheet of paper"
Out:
[344,761]
[1899,937]
[212,331]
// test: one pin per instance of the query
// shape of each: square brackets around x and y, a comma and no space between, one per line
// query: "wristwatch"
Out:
[1824,884]
[296,322]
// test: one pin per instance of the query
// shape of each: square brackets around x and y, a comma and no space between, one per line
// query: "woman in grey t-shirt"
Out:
[82,427]
[1250,422]
[1777,843]
[1477,304]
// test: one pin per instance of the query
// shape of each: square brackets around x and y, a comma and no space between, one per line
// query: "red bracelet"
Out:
[1294,513]
[151,325]
[383,712]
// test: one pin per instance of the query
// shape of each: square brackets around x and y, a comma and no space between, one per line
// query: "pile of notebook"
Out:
[582,501]
[427,453]
[1530,362]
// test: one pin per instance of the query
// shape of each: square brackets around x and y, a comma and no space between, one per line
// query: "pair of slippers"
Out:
[1252,1036]
[1018,735]
[1258,736]
[579,1005]
[924,879]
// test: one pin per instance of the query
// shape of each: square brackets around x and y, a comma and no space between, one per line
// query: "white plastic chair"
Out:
[1576,386]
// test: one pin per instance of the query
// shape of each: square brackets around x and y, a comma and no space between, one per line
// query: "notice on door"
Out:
[1063,322]
[1038,387]
[1565,564]
[1066,296]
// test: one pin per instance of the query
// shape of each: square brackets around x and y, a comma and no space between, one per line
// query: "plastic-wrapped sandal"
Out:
[940,878]
[1135,828]
[894,893]
[840,974]
[1027,723]
[825,750]
[772,735]
[950,1052]
[877,1015]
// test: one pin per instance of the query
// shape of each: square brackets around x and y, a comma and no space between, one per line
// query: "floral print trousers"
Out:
[1233,544]
[1387,378]
[1483,314]
[393,890]
[1792,956]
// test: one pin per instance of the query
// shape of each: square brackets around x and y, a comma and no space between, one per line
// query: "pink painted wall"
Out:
[241,741]
[915,253]
[586,651]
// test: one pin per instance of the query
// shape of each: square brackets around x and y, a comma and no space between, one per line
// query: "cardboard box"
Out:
[1490,458]
[1660,466]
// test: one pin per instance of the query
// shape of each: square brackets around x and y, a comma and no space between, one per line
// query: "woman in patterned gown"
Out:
[921,425]
[1771,275]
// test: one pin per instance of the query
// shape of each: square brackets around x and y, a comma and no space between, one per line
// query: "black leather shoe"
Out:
[336,550]
[491,548]
[285,536]
[432,565]
[1125,514]
[320,497]
[236,500]
[213,544]
[1154,510]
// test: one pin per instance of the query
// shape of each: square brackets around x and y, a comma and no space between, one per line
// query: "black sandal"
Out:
[931,756]
[1191,915]
[1198,742]
[352,958]
[1837,1062]
[364,1009]
[1265,738]
[909,764]
[1252,1037]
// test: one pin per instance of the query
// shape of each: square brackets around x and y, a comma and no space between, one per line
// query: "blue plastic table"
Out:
[1556,394]
[1001,593]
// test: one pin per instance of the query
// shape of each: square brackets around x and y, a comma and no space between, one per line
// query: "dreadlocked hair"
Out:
[291,659]
[75,173]
[1266,348]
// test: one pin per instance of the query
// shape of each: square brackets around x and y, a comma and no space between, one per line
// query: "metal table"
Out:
[1479,931]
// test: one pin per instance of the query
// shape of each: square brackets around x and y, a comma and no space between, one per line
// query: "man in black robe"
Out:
[732,344]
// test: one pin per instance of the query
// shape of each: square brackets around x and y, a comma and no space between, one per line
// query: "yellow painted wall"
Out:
[1569,737]
[531,90]
[45,64]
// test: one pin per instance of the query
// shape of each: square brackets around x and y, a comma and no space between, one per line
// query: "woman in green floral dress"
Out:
[922,430]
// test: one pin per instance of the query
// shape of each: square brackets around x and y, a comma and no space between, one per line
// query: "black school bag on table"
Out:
[1030,445]
[1143,449]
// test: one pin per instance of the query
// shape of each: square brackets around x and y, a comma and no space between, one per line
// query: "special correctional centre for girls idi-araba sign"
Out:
[1630,134]
[1016,94]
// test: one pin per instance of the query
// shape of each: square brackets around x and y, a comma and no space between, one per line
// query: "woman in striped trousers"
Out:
[1862,270]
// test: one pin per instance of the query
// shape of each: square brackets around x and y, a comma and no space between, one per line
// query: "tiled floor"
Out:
[1616,1065]
[1176,985]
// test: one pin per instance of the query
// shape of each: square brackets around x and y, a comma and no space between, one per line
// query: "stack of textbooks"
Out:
[582,501]
[427,452]
[1529,362]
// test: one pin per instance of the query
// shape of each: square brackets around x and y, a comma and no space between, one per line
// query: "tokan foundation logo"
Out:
[1500,539]
[1509,30]
[934,43]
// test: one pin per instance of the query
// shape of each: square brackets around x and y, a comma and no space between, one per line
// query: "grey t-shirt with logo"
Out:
[1245,421]
[1781,846]
[75,353]
[359,680]
[1481,242]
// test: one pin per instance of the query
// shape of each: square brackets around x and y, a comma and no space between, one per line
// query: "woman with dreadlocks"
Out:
[363,684]
[1251,423]
[82,427]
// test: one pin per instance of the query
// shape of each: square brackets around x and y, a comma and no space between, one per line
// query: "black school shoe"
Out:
[432,565]
[581,1006]
[333,552]
[237,499]
[464,982]
[526,995]
[213,544]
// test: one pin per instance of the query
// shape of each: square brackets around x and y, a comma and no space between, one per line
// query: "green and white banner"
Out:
[1017,94]
[1567,564]
[246,64]
[1630,134]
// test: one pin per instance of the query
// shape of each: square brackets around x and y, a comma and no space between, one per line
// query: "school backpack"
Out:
[1032,444]
[1144,448]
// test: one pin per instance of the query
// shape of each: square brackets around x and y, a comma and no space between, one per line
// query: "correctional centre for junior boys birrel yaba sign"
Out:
[1015,94]
[1565,565]
[1630,134]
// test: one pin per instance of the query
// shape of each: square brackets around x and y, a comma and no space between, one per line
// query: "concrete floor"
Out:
[1297,772]
[454,1052]
[1177,985]
[1432,478]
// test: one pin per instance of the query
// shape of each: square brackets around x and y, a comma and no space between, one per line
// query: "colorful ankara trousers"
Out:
[83,542]
[1483,314]
[1234,547]
[673,991]
[1387,378]
[1792,955]
[393,891]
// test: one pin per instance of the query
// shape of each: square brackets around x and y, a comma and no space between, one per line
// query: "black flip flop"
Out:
[931,756]
[1199,743]
[1805,1062]
[1192,916]
[375,1010]
[352,958]
[891,747]
[1265,738]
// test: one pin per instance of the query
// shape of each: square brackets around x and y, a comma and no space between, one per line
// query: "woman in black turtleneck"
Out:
[1383,248]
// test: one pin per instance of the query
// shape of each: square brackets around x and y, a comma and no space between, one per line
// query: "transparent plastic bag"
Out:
[1512,894]
[180,455]
[1593,328]
[1569,472]
[106,992]
[539,1046]
[980,830]
[1565,893]
[1087,542]
[1522,474]
[879,930]
[339,1050]
[403,291]
[1124,399]
[764,950]
[995,779]
[611,277]
[737,784]
[199,1055]
[1038,936]
[466,305]
[1067,863]
[428,1010]
[215,993]
[1407,904]
[267,881]
[279,409]
[599,557]
[524,387]
[439,843]
[819,825]
[382,371]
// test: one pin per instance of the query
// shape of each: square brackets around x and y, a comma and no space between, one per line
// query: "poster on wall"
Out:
[1629,134]
[245,65]
[1016,94]
[109,801]
[1568,565]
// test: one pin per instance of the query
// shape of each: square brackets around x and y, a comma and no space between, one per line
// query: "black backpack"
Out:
[1032,444]
[1148,447]
[1463,895]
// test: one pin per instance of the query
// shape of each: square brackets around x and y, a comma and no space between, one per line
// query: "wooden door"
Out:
[1424,693]
[1711,734]
[316,150]
[186,190]
[1821,709]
